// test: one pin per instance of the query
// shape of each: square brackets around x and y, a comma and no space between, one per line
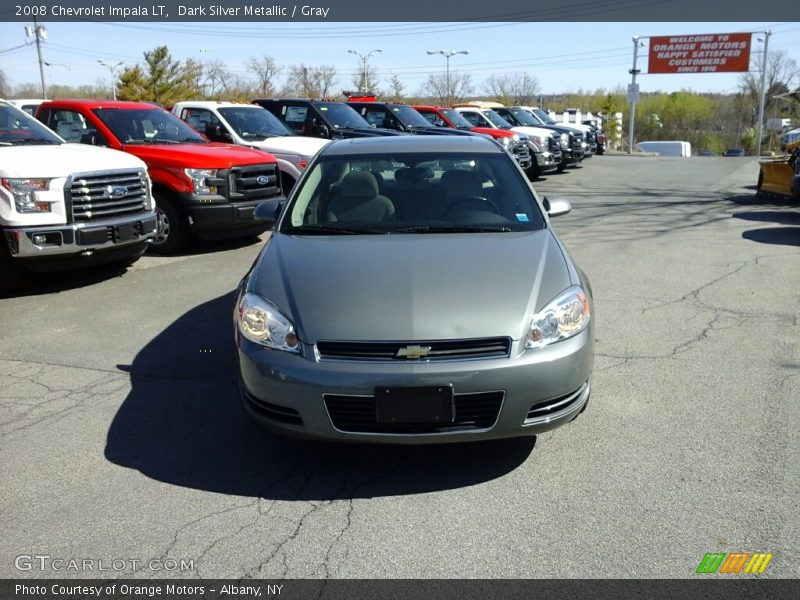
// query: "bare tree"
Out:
[266,71]
[5,89]
[460,86]
[396,90]
[513,88]
[365,80]
[783,75]
[310,82]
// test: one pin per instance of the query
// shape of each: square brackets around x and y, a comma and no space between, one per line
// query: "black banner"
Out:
[406,11]
[702,588]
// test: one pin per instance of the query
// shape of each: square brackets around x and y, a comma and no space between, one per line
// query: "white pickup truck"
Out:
[253,126]
[67,205]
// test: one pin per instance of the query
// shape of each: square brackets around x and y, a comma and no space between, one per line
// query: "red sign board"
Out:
[709,53]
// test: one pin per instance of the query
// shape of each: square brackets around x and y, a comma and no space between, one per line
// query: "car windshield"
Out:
[524,117]
[496,119]
[18,128]
[147,126]
[545,118]
[254,123]
[412,193]
[341,116]
[456,119]
[409,116]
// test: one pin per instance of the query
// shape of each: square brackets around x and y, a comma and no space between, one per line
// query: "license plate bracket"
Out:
[125,232]
[426,404]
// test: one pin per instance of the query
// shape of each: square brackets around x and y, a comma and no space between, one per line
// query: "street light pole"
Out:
[447,54]
[112,68]
[364,59]
[763,91]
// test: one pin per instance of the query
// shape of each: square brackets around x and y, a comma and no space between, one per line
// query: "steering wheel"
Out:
[478,202]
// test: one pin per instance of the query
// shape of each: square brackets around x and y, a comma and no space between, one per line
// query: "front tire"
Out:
[172,229]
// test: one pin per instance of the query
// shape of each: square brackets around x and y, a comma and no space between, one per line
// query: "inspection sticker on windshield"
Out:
[522,217]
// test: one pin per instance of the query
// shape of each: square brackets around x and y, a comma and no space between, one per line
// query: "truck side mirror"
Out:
[217,133]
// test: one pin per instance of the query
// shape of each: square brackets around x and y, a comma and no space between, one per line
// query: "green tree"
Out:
[162,79]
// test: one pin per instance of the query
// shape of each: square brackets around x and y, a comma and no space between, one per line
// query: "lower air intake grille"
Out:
[357,414]
[274,412]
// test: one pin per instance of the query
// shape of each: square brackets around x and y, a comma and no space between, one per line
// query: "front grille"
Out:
[440,350]
[549,407]
[520,151]
[576,139]
[109,194]
[357,414]
[253,181]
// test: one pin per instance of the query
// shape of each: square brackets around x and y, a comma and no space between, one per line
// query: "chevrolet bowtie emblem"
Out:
[413,352]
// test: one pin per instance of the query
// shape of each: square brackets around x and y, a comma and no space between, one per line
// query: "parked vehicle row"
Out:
[196,181]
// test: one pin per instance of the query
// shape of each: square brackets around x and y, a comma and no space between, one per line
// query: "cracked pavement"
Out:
[122,435]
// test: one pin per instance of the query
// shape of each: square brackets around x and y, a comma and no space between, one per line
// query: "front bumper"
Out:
[537,390]
[84,238]
[546,161]
[216,216]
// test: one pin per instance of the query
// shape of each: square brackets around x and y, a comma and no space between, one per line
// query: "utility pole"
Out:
[364,59]
[39,32]
[633,92]
[763,91]
[112,68]
[447,54]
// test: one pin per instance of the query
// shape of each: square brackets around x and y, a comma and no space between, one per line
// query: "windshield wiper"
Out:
[323,229]
[23,141]
[453,229]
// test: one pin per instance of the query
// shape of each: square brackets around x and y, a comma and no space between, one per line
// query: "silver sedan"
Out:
[414,291]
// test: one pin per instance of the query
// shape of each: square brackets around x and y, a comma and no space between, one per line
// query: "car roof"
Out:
[121,104]
[414,143]
[215,104]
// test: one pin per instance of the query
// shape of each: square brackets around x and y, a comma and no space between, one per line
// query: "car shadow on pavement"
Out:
[771,216]
[35,284]
[784,236]
[182,424]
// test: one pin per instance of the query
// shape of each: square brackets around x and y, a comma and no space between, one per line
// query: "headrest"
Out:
[461,183]
[360,184]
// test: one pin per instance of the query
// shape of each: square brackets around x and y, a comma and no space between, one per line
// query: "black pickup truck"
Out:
[320,118]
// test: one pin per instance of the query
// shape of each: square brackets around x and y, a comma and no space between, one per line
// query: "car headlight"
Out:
[24,192]
[505,142]
[515,137]
[564,140]
[199,178]
[263,323]
[564,317]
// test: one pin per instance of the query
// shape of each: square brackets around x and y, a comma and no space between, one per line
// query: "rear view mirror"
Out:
[217,133]
[556,205]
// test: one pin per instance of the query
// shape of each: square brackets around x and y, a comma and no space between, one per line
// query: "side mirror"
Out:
[217,133]
[269,210]
[556,205]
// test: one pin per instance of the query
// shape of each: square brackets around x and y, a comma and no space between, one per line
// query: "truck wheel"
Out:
[533,172]
[10,270]
[172,231]
[561,166]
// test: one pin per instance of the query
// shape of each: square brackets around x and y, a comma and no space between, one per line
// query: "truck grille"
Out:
[405,351]
[253,181]
[520,151]
[109,194]
[357,414]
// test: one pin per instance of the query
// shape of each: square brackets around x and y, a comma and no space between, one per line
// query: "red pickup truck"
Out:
[200,188]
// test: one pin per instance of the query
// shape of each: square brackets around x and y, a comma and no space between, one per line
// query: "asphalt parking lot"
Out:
[123,438]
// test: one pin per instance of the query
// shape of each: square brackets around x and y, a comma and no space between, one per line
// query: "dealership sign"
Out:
[709,53]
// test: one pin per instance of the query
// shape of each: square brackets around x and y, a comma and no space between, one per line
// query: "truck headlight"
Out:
[505,142]
[261,322]
[24,192]
[563,317]
[564,140]
[199,178]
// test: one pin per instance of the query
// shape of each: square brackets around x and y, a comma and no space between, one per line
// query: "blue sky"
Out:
[563,56]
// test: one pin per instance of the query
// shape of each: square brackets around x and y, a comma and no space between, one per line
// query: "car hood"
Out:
[199,156]
[411,286]
[294,144]
[538,131]
[61,160]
